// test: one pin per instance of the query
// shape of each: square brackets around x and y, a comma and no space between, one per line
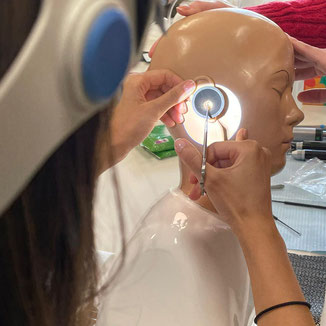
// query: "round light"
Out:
[208,98]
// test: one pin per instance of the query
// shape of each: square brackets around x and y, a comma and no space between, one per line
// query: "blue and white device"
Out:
[68,69]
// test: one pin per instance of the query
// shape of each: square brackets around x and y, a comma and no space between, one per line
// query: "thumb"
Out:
[316,96]
[242,134]
[189,155]
[152,49]
[173,97]
[304,51]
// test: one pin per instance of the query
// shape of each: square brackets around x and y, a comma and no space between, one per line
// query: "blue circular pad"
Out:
[106,55]
[208,93]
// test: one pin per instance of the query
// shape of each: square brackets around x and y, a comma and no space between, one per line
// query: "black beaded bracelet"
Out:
[290,303]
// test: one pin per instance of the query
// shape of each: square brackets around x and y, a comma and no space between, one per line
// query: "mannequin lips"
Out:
[288,141]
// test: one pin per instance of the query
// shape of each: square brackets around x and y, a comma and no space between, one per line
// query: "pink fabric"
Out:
[303,19]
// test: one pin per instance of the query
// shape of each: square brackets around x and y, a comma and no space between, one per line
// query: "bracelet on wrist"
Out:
[290,303]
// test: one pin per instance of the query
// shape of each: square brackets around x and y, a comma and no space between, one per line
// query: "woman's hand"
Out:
[237,179]
[147,98]
[309,62]
[238,185]
[198,6]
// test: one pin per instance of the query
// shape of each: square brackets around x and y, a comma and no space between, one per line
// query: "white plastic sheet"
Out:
[183,266]
[311,177]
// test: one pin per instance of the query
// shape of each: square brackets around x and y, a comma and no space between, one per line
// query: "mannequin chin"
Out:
[250,56]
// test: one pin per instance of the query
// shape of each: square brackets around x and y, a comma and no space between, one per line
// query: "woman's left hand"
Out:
[309,62]
[199,6]
[146,98]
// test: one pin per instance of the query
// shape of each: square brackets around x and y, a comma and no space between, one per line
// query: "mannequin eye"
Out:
[280,93]
[280,89]
[280,82]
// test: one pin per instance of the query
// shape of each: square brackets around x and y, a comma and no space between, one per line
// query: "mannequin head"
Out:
[249,55]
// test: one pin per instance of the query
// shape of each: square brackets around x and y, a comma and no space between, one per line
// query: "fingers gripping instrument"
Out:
[76,55]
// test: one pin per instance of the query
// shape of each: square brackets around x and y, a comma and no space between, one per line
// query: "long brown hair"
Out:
[47,256]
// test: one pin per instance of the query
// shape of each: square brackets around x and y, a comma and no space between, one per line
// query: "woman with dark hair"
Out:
[48,273]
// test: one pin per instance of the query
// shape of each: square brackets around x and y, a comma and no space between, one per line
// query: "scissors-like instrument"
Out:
[203,163]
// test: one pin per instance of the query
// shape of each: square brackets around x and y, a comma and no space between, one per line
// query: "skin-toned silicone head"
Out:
[247,54]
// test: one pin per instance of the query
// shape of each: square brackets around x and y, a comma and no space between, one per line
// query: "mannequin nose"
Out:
[295,115]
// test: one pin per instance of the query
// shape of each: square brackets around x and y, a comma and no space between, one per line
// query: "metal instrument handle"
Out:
[203,164]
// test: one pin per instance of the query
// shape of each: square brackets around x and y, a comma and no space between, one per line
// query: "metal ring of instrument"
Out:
[208,98]
[224,111]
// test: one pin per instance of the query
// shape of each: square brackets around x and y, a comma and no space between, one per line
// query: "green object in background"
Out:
[323,80]
[164,154]
[159,143]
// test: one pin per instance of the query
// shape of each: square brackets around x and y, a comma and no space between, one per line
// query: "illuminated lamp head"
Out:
[224,111]
[208,98]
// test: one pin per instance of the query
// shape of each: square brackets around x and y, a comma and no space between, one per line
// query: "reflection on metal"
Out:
[203,163]
[225,136]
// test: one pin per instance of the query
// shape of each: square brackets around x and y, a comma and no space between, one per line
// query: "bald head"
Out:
[222,44]
[246,54]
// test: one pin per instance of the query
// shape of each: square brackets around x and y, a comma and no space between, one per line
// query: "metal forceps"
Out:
[203,163]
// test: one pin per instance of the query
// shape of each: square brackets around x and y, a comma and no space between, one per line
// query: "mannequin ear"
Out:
[152,50]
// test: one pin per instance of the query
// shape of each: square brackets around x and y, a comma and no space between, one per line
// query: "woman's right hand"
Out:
[238,185]
[237,179]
